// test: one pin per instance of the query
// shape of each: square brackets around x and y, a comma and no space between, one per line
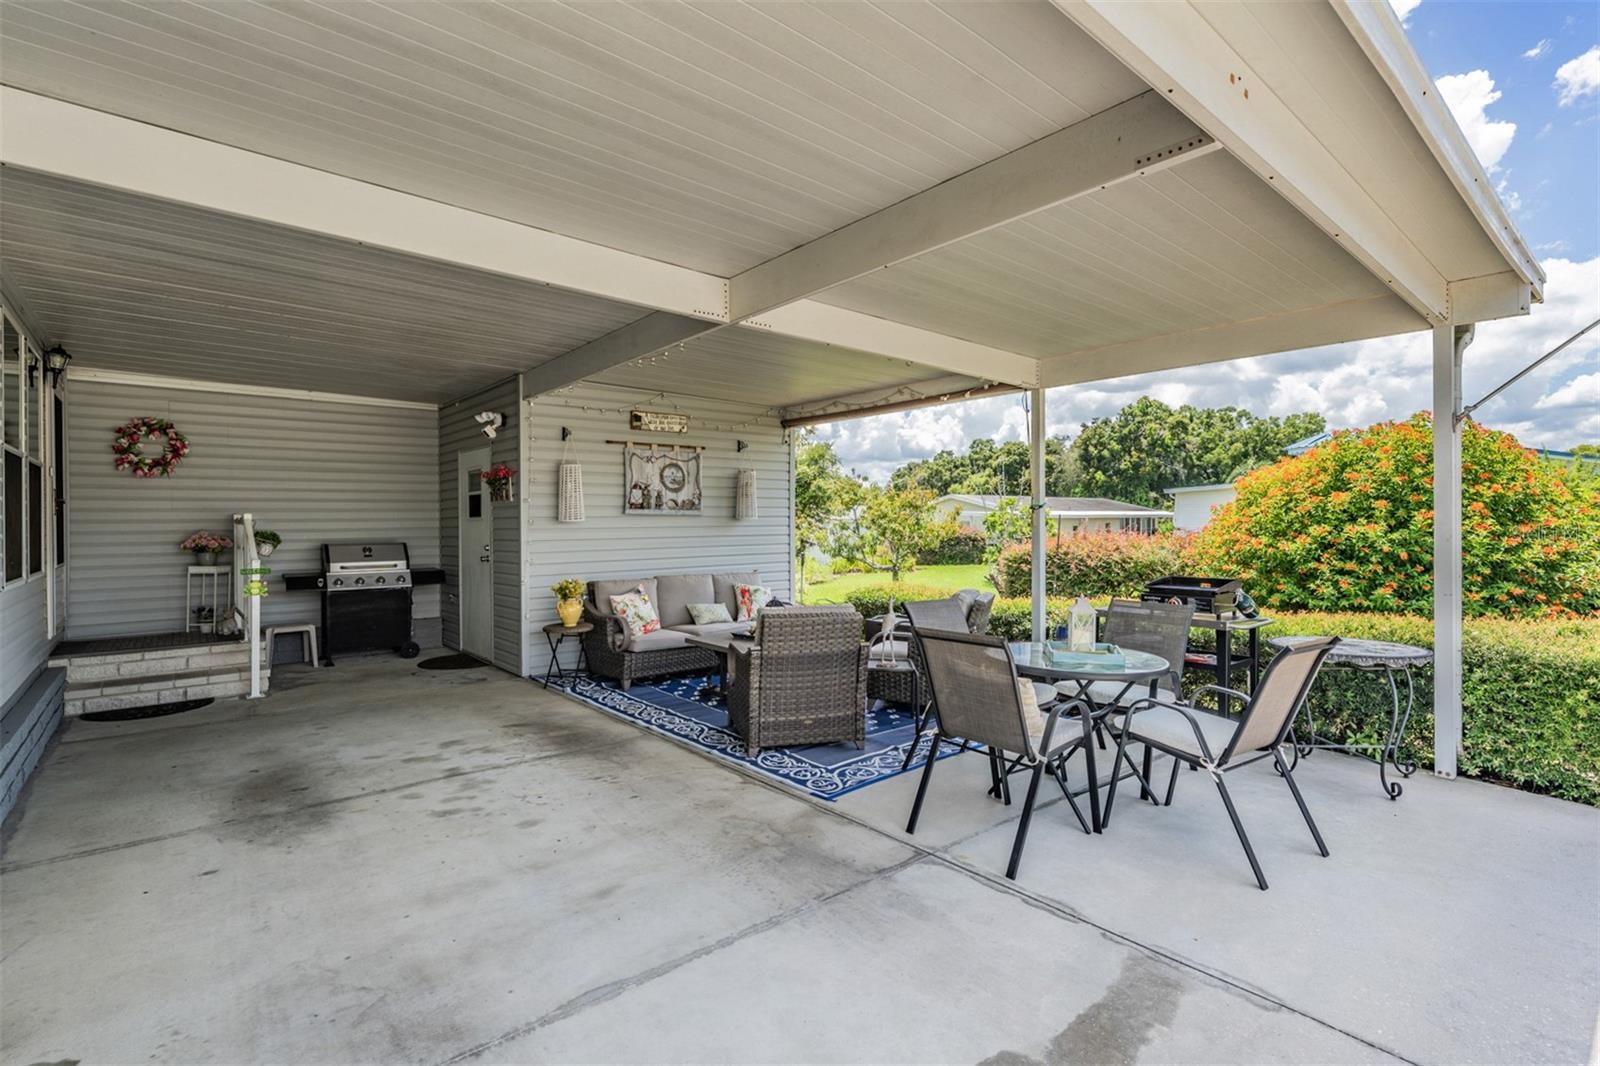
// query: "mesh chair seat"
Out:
[891,649]
[1104,692]
[1167,728]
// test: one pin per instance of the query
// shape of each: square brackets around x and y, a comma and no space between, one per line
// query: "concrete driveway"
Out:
[382,864]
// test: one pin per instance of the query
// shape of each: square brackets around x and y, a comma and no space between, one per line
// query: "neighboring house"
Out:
[1193,505]
[1063,514]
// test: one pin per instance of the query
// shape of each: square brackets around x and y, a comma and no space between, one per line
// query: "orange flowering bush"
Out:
[1349,526]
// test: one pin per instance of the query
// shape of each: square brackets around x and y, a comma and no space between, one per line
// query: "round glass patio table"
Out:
[1033,661]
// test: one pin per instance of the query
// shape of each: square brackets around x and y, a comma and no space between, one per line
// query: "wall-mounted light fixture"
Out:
[489,422]
[55,363]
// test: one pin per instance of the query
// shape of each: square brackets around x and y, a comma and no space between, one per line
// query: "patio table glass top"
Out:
[1033,660]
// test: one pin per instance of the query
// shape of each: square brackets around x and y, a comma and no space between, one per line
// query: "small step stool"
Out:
[306,629]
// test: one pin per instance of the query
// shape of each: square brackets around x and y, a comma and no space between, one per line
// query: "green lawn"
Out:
[834,590]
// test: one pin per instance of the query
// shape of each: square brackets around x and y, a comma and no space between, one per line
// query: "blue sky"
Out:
[1523,80]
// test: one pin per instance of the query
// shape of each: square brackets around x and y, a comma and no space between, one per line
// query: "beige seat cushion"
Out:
[660,640]
[675,592]
[712,629]
[1169,728]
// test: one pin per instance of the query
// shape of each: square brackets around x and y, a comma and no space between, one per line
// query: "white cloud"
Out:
[1579,77]
[1538,50]
[1404,8]
[1582,391]
[1352,384]
[1469,96]
[1555,247]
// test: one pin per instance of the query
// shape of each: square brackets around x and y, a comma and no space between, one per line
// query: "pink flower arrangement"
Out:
[499,473]
[205,541]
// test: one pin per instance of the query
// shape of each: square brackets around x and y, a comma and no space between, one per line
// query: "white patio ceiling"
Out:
[299,194]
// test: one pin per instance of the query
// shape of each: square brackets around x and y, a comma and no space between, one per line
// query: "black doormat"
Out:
[155,710]
[459,661]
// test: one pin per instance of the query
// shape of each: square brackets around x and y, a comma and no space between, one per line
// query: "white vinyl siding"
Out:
[612,544]
[312,471]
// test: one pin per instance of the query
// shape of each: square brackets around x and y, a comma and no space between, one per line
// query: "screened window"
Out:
[13,492]
[474,493]
[11,383]
[35,518]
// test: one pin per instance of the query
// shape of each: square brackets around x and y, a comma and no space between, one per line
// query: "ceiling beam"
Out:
[1311,327]
[1135,137]
[1170,44]
[653,333]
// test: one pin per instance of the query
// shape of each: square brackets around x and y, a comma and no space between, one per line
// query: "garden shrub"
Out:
[1095,564]
[1349,526]
[961,547]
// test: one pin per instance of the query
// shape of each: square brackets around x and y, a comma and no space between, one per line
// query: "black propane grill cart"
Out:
[1222,606]
[366,597]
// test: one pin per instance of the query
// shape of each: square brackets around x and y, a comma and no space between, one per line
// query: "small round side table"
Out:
[1373,656]
[554,634]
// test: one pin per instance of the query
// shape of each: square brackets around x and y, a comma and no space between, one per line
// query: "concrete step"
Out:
[145,690]
[154,662]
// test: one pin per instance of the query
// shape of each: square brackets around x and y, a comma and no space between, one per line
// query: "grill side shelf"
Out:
[427,575]
[303,582]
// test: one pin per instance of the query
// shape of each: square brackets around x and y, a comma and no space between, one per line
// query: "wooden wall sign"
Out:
[658,422]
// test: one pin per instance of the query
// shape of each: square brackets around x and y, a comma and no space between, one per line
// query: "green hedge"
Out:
[1095,564]
[962,547]
[1530,689]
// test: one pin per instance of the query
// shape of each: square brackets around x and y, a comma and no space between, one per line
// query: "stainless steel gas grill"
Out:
[366,597]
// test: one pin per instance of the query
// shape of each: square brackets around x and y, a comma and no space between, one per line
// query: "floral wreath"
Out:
[131,434]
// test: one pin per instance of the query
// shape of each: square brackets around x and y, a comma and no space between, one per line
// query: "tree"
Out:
[820,494]
[1349,526]
[886,528]
[989,469]
[1011,522]
[1147,447]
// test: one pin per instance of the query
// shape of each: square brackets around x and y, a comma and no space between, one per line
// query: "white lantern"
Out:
[744,498]
[569,502]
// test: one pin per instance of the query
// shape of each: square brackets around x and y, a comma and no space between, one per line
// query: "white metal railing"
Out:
[249,585]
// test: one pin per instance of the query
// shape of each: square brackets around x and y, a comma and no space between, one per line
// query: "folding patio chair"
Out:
[1218,744]
[981,701]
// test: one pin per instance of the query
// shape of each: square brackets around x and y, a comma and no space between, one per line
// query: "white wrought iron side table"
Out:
[1371,656]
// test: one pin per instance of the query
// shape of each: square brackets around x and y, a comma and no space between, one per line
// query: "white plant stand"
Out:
[207,586]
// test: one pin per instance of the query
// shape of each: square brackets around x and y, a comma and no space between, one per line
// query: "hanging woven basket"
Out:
[569,492]
[744,500]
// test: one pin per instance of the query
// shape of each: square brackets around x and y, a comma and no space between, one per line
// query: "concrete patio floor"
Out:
[381,864]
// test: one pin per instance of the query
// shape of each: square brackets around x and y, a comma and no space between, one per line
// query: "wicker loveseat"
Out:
[612,653]
[803,680]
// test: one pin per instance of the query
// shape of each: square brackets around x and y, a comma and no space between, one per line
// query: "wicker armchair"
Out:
[802,681]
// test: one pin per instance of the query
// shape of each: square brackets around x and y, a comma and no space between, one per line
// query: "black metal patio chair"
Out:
[981,701]
[1219,745]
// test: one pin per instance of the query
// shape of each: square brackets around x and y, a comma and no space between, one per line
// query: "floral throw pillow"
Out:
[752,599]
[636,612]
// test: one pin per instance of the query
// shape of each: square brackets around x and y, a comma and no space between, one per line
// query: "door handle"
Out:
[483,558]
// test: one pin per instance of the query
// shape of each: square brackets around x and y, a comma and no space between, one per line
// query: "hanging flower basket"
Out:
[128,450]
[502,482]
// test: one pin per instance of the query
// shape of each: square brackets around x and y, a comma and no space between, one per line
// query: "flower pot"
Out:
[571,611]
[264,548]
[500,491]
[205,558]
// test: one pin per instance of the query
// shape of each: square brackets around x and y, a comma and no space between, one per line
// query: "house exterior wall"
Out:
[25,630]
[458,432]
[1192,508]
[612,544]
[314,471]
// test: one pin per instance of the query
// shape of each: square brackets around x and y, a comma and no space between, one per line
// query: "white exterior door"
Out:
[477,554]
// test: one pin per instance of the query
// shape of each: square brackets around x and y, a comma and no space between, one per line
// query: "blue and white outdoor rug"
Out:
[675,707]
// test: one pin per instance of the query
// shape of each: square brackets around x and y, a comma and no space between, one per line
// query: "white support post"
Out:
[1036,479]
[1449,342]
[248,582]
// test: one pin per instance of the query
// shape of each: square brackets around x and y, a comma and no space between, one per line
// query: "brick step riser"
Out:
[104,668]
[90,699]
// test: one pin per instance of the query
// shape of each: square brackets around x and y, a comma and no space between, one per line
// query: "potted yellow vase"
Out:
[569,600]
